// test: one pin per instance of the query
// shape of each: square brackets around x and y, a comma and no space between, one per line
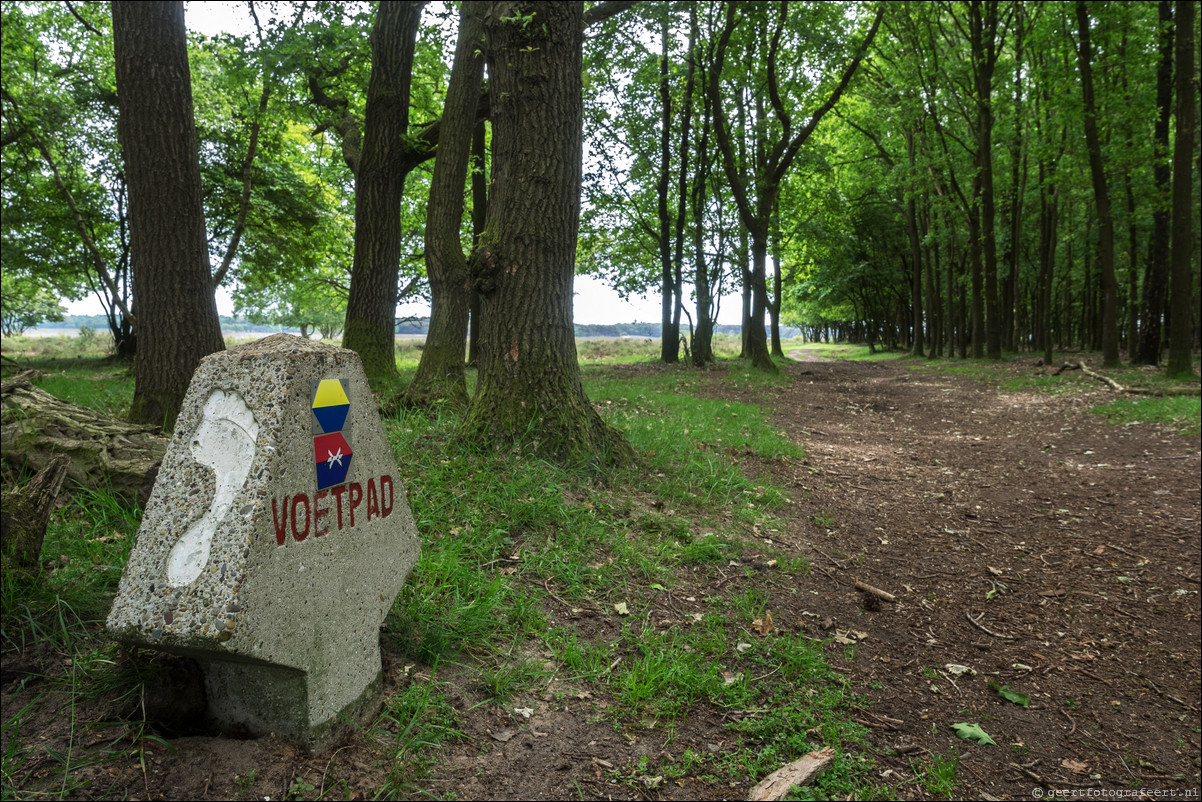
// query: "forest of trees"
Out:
[953,178]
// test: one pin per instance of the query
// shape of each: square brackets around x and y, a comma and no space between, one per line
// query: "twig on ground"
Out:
[835,562]
[985,629]
[1092,675]
[561,601]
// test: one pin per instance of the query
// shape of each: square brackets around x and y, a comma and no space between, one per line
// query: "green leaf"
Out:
[1009,695]
[973,732]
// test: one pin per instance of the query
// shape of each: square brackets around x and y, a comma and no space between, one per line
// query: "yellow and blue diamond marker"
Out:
[330,405]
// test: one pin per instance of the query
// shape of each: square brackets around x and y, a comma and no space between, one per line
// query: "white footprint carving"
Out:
[224,441]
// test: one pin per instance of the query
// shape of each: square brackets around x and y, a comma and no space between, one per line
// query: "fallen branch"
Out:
[1118,388]
[880,594]
[800,772]
[984,629]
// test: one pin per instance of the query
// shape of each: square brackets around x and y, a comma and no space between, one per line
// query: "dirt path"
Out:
[1027,540]
[1029,544]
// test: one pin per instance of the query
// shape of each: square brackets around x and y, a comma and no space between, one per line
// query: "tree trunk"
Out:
[440,374]
[774,304]
[36,427]
[1181,328]
[703,336]
[1156,270]
[977,302]
[669,348]
[1110,331]
[25,514]
[933,305]
[915,252]
[984,47]
[479,210]
[173,291]
[682,187]
[529,390]
[370,329]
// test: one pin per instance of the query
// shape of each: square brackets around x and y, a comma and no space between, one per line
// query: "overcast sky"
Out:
[595,301]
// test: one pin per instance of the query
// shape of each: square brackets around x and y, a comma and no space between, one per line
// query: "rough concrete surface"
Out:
[277,587]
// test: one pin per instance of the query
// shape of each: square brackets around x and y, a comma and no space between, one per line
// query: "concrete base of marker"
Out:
[273,700]
[276,583]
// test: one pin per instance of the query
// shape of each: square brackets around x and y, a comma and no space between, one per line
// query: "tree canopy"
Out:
[963,177]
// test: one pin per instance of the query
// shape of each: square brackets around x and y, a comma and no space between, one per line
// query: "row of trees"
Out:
[897,172]
[997,176]
[1029,183]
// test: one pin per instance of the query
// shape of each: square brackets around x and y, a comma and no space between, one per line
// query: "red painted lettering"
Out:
[338,491]
[385,501]
[373,503]
[356,496]
[319,512]
[296,502]
[281,524]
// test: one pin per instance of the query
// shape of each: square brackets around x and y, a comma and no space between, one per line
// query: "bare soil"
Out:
[1028,542]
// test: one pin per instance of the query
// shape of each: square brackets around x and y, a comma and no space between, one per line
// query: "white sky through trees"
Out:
[595,302]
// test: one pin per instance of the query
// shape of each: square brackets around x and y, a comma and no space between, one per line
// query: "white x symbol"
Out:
[334,458]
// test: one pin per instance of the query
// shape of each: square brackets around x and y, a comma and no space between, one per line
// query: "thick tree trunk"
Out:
[370,329]
[1181,328]
[173,290]
[440,373]
[36,427]
[1110,331]
[1156,270]
[529,390]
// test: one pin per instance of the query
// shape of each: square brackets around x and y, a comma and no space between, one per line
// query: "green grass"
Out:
[851,352]
[938,775]
[1182,413]
[415,722]
[75,369]
[512,550]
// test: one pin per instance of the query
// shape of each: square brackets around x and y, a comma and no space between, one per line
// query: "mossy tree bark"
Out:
[173,290]
[383,165]
[529,390]
[440,373]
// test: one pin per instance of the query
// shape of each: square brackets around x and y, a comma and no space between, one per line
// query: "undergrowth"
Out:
[516,554]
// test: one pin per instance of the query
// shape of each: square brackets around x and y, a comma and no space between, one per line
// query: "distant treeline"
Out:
[100,323]
[411,326]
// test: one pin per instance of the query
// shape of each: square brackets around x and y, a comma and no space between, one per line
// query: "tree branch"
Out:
[812,123]
[605,10]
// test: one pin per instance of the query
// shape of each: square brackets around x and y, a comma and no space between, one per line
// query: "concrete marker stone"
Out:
[275,540]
